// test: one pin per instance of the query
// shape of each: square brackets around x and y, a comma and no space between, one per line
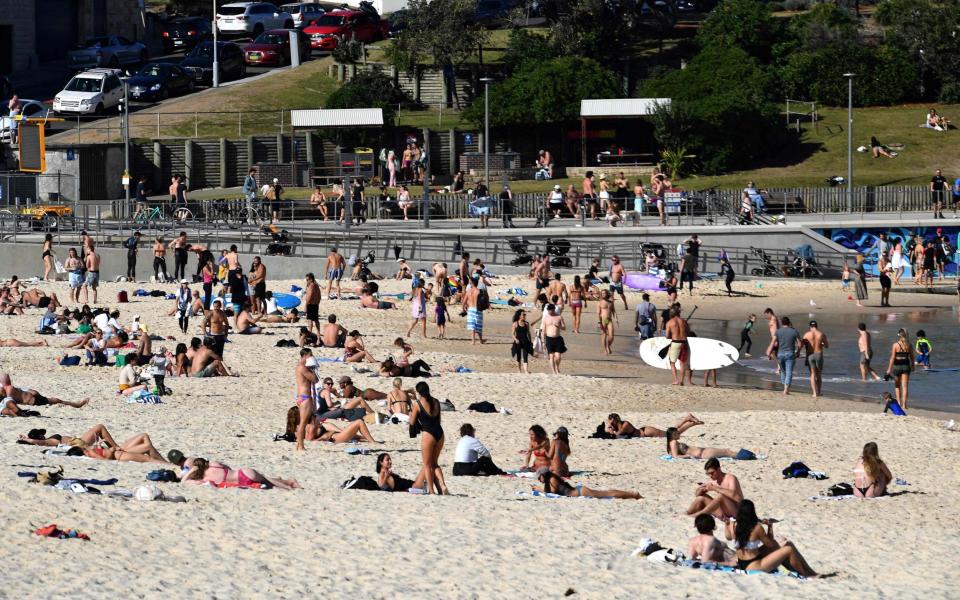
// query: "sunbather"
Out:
[678,449]
[624,429]
[219,474]
[326,430]
[15,343]
[91,437]
[871,475]
[97,443]
[554,484]
[757,550]
[31,397]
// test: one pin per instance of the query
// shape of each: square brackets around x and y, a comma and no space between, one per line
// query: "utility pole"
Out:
[216,53]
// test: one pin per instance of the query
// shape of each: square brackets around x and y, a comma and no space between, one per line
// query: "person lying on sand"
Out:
[726,489]
[554,484]
[293,316]
[326,430]
[15,343]
[38,298]
[216,473]
[367,300]
[418,368]
[31,397]
[678,449]
[626,430]
[91,437]
[704,546]
[98,444]
[757,550]
[9,408]
[348,390]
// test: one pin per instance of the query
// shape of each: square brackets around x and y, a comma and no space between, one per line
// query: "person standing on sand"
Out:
[473,313]
[677,330]
[463,275]
[745,335]
[306,380]
[311,299]
[552,339]
[606,317]
[559,289]
[334,269]
[788,345]
[92,282]
[216,325]
[815,343]
[900,366]
[159,260]
[617,275]
[866,352]
[727,493]
[773,324]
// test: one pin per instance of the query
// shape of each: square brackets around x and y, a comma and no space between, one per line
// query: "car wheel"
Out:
[164,94]
[243,71]
[257,30]
[288,25]
[99,110]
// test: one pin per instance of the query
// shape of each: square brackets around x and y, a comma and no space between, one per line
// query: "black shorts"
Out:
[313,312]
[260,290]
[43,302]
[554,344]
[39,399]
[590,198]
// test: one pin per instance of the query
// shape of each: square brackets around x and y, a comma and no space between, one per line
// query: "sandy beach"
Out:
[484,541]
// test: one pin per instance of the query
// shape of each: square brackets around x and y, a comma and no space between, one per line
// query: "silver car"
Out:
[107,51]
[304,13]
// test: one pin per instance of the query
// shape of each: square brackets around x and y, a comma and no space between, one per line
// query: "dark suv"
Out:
[185,33]
[199,63]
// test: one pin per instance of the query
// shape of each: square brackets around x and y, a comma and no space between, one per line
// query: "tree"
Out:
[439,30]
[524,46]
[545,92]
[743,24]
[370,89]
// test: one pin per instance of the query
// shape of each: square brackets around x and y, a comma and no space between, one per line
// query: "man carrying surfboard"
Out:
[677,331]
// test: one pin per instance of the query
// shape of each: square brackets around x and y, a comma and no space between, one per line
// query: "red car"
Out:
[273,48]
[329,29]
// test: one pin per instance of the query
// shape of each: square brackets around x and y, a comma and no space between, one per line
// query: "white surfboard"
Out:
[705,353]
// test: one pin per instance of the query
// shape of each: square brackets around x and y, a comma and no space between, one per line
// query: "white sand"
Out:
[483,542]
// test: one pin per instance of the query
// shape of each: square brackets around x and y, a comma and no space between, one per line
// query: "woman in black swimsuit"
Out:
[522,347]
[425,419]
[757,550]
[900,366]
[47,256]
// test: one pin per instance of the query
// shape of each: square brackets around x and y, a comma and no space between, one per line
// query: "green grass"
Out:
[822,152]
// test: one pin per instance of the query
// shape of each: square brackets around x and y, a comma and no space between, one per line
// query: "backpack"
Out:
[796,470]
[122,297]
[840,489]
[483,300]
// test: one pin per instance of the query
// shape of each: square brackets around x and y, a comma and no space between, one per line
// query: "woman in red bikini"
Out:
[221,475]
[539,450]
[97,443]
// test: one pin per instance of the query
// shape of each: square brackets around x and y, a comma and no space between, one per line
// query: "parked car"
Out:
[90,92]
[397,21]
[31,109]
[251,18]
[304,13]
[185,33]
[158,81]
[199,63]
[327,31]
[108,51]
[273,48]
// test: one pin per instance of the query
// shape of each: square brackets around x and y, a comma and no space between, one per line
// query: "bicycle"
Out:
[145,214]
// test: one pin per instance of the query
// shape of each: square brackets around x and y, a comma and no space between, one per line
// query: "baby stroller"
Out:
[558,250]
[519,247]
[767,268]
[364,270]
[803,264]
[280,246]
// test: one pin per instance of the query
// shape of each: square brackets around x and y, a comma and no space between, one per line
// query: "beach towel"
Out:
[549,496]
[654,552]
[516,291]
[742,452]
[144,397]
[474,320]
[52,531]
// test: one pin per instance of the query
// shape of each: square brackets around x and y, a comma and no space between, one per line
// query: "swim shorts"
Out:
[335,274]
[816,360]
[313,312]
[678,351]
[93,278]
[207,371]
[865,358]
[76,280]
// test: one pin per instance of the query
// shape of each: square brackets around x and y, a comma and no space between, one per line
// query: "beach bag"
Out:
[796,470]
[161,475]
[840,489]
[70,361]
[122,297]
[483,300]
[538,347]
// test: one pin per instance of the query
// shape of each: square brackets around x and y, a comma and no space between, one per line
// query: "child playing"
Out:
[891,405]
[924,349]
[159,366]
[442,315]
[745,335]
[705,547]
[885,285]
[845,278]
[612,217]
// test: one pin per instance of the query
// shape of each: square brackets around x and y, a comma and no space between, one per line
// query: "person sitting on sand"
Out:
[704,546]
[725,486]
[471,456]
[387,479]
[625,430]
[15,343]
[323,429]
[9,305]
[245,323]
[181,364]
[403,270]
[678,449]
[206,363]
[757,550]
[334,335]
[129,380]
[221,475]
[388,368]
[348,390]
[31,397]
[554,484]
[353,349]
[538,450]
[400,400]
[328,405]
[559,452]
[871,475]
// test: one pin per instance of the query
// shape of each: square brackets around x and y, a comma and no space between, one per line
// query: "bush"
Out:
[950,92]
[370,89]
[796,4]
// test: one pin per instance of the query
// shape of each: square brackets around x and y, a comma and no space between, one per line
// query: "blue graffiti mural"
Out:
[864,239]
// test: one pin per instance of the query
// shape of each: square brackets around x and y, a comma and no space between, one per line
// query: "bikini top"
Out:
[751,545]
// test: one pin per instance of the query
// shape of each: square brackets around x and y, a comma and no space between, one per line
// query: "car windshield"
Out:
[97,42]
[151,71]
[271,39]
[232,10]
[203,51]
[329,20]
[84,84]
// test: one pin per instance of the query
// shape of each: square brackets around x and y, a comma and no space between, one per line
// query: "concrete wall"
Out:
[21,15]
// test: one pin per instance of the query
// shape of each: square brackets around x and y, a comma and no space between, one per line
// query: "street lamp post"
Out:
[486,133]
[125,115]
[216,62]
[849,77]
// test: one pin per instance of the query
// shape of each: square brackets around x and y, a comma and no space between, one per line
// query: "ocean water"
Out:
[936,389]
